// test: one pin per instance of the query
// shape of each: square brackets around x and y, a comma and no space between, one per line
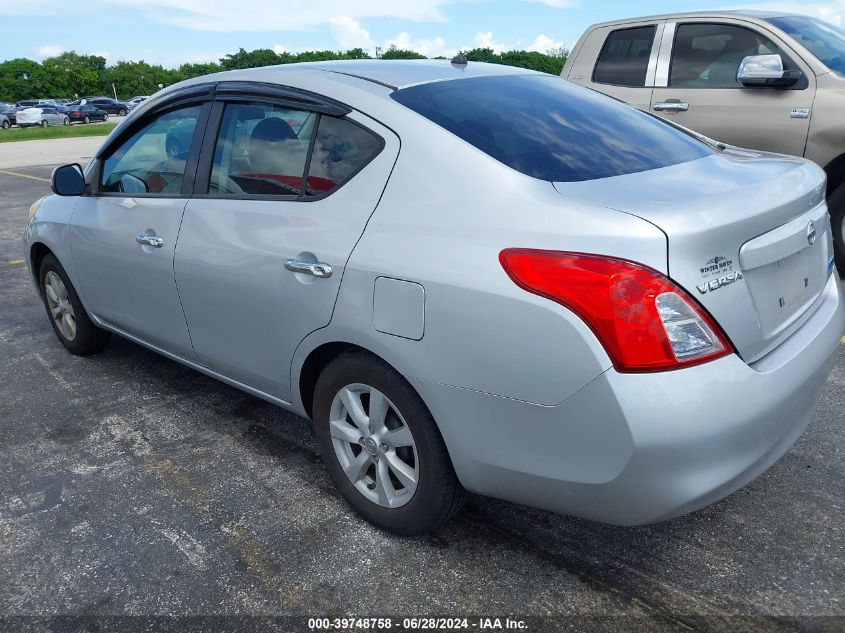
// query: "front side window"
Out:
[623,60]
[822,39]
[153,159]
[709,55]
[261,149]
[551,129]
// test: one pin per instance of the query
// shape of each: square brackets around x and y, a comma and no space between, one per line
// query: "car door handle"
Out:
[150,240]
[670,106]
[318,269]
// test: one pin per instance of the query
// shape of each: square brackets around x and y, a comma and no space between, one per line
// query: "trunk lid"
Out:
[748,237]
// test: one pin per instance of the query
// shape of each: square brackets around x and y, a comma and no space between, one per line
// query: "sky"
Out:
[172,32]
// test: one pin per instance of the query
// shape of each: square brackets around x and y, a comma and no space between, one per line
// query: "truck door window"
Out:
[623,60]
[708,55]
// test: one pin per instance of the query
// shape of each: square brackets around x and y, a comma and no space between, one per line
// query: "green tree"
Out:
[70,74]
[399,53]
[23,79]
[249,59]
[136,78]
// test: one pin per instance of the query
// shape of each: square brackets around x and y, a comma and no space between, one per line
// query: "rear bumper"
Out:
[631,449]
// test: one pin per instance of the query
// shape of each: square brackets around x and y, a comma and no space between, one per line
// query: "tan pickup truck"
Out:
[767,81]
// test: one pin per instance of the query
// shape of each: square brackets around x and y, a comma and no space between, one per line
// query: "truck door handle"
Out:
[670,106]
[150,240]
[323,271]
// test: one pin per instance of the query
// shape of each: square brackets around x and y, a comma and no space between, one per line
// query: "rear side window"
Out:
[623,60]
[551,129]
[261,149]
[341,150]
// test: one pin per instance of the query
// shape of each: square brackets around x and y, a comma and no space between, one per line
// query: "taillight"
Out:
[644,321]
[74,114]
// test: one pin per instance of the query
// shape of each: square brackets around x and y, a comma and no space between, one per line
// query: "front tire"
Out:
[382,447]
[6,125]
[66,122]
[86,119]
[122,112]
[836,207]
[66,313]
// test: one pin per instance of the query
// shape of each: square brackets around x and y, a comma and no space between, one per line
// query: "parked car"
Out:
[134,102]
[29,103]
[489,308]
[762,80]
[42,116]
[5,123]
[11,114]
[112,106]
[87,113]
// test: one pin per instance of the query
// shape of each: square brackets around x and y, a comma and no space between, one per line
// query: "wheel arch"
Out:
[37,252]
[835,171]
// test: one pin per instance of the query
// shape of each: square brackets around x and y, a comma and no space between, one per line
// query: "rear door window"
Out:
[551,129]
[623,60]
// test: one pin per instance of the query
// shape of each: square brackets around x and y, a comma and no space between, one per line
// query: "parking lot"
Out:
[133,486]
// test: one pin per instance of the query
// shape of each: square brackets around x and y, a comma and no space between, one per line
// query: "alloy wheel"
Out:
[60,306]
[374,446]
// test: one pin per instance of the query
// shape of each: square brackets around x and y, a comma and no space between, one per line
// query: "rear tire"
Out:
[383,493]
[44,124]
[66,122]
[66,313]
[122,112]
[86,119]
[6,125]
[836,207]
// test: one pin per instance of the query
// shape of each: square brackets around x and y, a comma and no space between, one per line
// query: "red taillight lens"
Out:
[74,114]
[644,321]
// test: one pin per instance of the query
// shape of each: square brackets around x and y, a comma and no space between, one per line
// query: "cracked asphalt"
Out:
[133,488]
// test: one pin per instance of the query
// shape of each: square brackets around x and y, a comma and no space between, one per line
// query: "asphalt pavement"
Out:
[137,492]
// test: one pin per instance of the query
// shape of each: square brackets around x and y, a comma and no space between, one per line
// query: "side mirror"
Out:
[68,180]
[131,184]
[761,71]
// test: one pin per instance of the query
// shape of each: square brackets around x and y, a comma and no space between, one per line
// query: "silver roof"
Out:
[400,73]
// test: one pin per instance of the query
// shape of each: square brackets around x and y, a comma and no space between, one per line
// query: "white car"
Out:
[42,116]
[134,102]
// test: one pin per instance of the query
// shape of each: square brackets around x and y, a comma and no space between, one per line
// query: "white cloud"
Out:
[558,4]
[48,50]
[279,49]
[543,44]
[349,34]
[429,47]
[485,40]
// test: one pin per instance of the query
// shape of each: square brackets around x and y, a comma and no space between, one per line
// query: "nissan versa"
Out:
[469,277]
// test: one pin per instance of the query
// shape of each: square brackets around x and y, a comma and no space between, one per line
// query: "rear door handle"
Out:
[323,271]
[150,240]
[670,106]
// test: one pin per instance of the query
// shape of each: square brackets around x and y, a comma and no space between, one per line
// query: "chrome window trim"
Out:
[661,78]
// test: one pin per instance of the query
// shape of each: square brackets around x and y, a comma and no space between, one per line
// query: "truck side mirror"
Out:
[68,180]
[766,71]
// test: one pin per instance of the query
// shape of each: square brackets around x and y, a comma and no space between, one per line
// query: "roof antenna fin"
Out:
[459,60]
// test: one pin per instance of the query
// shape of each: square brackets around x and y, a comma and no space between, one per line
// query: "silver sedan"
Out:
[469,277]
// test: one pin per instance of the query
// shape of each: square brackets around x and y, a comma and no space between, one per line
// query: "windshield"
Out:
[550,129]
[822,39]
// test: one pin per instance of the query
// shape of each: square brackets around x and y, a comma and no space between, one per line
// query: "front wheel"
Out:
[382,448]
[122,112]
[6,125]
[836,207]
[66,121]
[67,315]
[86,119]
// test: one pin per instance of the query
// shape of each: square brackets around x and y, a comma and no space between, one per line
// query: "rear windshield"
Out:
[550,129]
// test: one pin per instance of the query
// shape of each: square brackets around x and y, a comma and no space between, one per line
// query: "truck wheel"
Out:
[836,207]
